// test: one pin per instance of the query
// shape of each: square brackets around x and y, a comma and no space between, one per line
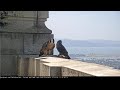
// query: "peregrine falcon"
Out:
[47,47]
[62,51]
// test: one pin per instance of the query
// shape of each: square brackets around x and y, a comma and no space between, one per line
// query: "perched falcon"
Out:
[62,51]
[47,47]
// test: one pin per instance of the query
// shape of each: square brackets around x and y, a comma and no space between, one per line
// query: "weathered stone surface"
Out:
[26,22]
[33,42]
[57,67]
[9,65]
[69,72]
[73,72]
[12,43]
[49,69]
[0,54]
[28,14]
[22,37]
[37,67]
[32,67]
[23,65]
[44,70]
[17,43]
[74,68]
[55,71]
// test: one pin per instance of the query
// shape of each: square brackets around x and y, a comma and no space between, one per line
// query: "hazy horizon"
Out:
[85,39]
[85,25]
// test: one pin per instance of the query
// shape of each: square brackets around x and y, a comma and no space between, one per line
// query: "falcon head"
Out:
[60,41]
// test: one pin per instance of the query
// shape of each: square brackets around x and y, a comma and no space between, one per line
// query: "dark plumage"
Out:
[62,50]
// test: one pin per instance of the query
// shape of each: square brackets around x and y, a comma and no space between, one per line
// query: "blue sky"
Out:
[85,25]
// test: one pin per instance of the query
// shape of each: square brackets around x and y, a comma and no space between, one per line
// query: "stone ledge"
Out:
[78,68]
[54,66]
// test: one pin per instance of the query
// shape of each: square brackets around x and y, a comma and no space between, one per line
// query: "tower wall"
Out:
[21,37]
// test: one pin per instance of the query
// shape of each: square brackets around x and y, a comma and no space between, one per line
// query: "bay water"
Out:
[108,56]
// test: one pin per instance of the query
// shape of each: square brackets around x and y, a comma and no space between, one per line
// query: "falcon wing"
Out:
[61,49]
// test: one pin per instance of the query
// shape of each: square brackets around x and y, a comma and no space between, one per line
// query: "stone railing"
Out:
[53,66]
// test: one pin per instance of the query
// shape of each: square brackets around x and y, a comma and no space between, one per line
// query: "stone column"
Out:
[40,18]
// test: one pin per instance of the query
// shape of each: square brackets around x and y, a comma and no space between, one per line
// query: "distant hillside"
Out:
[90,43]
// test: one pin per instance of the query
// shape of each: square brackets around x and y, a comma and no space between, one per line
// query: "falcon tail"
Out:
[68,57]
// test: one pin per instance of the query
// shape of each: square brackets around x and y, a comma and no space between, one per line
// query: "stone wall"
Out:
[21,38]
[18,44]
[0,54]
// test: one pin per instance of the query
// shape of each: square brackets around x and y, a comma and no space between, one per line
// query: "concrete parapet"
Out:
[89,69]
[53,66]
[32,67]
[23,64]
